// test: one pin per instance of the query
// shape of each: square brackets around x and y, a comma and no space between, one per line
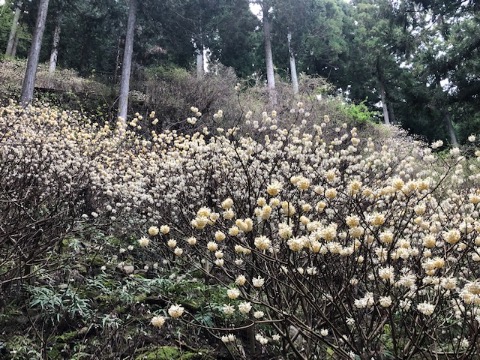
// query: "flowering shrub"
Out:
[326,243]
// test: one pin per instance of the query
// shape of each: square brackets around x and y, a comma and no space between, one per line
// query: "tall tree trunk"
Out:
[383,92]
[56,40]
[15,45]
[450,129]
[200,63]
[391,113]
[127,62]
[383,95]
[13,29]
[268,55]
[293,65]
[34,54]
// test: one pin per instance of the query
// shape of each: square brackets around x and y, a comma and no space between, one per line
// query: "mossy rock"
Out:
[171,353]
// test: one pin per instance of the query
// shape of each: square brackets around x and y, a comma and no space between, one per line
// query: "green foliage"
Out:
[358,113]
[58,304]
[171,353]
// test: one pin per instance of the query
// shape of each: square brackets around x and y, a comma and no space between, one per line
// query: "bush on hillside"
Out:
[311,240]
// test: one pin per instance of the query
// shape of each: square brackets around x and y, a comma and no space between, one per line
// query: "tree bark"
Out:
[383,95]
[34,54]
[56,40]
[127,62]
[200,63]
[268,55]
[450,128]
[13,29]
[391,113]
[15,45]
[293,65]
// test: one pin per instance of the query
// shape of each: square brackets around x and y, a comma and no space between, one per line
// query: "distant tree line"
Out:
[416,61]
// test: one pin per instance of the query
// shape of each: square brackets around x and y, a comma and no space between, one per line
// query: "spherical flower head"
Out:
[212,246]
[240,280]
[420,209]
[356,232]
[245,307]
[449,283]
[288,208]
[472,138]
[219,262]
[258,314]
[474,199]
[429,241]
[331,176]
[228,214]
[274,202]
[265,212]
[426,308]
[227,204]
[262,243]
[233,293]
[452,236]
[331,193]
[296,244]
[233,231]
[248,225]
[303,184]
[164,229]
[386,237]
[329,233]
[143,241]
[437,144]
[204,212]
[175,311]
[158,321]
[387,273]
[385,301]
[304,220]
[324,332]
[258,282]
[219,236]
[200,222]
[354,187]
[178,251]
[306,208]
[153,231]
[191,241]
[172,243]
[228,309]
[377,219]
[352,221]
[274,188]
[261,201]
[397,184]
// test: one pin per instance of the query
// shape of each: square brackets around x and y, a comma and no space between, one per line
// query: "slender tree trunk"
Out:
[391,113]
[34,54]
[200,63]
[127,62]
[293,65]
[56,40]
[15,44]
[383,95]
[450,128]
[13,29]
[268,55]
